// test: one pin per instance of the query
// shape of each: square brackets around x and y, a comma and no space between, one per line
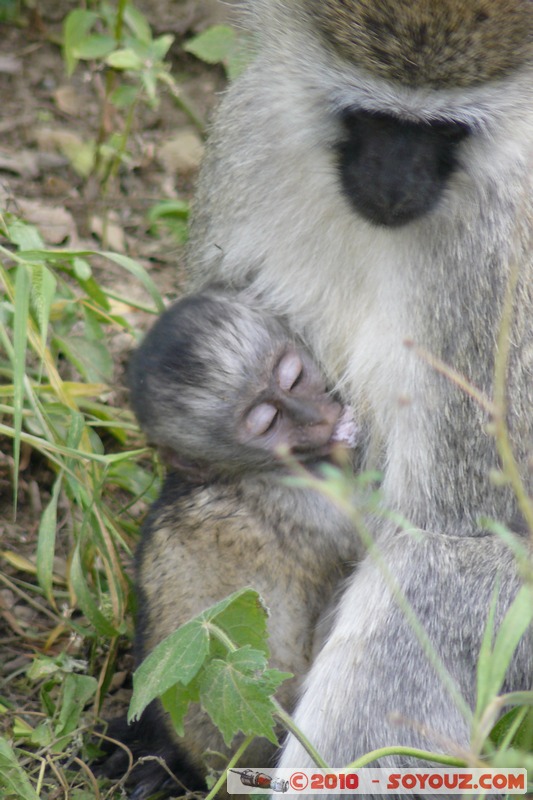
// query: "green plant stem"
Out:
[121,10]
[182,104]
[113,168]
[110,78]
[234,760]
[438,758]
[222,637]
[289,724]
[501,430]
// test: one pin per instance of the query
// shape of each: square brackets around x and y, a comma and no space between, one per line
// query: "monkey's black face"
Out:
[394,171]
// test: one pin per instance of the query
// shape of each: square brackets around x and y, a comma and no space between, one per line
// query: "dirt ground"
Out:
[45,114]
[44,117]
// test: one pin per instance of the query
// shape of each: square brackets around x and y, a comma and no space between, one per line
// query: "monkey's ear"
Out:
[189,470]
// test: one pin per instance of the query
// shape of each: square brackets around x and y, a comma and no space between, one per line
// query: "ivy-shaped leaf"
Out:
[177,659]
[236,698]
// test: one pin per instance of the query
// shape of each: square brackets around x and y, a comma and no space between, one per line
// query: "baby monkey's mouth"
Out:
[330,433]
[345,431]
[344,436]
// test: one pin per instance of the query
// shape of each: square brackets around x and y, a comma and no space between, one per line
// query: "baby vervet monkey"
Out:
[370,177]
[226,393]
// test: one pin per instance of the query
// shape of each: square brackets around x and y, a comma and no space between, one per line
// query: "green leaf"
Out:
[140,273]
[213,45]
[177,227]
[77,691]
[94,47]
[82,269]
[125,59]
[172,215]
[84,794]
[514,729]
[9,11]
[177,659]
[124,96]
[176,701]
[249,595]
[223,45]
[138,24]
[48,694]
[43,667]
[13,777]
[43,292]
[86,600]
[514,759]
[82,157]
[493,662]
[169,208]
[160,47]
[149,82]
[22,304]
[233,695]
[25,236]
[40,736]
[136,480]
[75,428]
[46,542]
[200,660]
[92,359]
[96,293]
[243,617]
[75,29]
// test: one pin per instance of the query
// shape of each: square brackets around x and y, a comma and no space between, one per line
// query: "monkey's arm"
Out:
[373,685]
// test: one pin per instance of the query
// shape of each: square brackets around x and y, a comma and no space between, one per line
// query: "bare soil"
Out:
[42,111]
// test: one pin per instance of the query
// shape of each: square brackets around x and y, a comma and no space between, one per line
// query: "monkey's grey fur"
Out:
[323,239]
[228,519]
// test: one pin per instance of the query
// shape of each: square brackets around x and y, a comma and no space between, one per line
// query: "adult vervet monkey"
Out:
[370,178]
